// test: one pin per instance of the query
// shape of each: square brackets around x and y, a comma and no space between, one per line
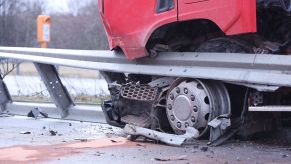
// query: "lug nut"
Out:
[186,124]
[186,91]
[179,125]
[193,119]
[172,117]
[170,107]
[172,97]
[195,108]
[192,98]
[178,90]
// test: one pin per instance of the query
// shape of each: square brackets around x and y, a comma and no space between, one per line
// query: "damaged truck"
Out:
[193,34]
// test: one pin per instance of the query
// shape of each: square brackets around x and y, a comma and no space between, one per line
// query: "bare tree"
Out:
[82,31]
[17,27]
[7,66]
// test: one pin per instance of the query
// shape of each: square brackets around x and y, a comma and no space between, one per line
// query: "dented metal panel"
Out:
[253,69]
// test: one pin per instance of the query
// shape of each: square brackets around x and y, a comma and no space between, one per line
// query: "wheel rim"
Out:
[194,103]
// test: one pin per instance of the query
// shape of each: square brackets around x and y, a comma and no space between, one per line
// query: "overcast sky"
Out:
[62,5]
[57,5]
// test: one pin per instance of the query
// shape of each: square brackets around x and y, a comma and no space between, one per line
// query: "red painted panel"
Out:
[232,16]
[130,23]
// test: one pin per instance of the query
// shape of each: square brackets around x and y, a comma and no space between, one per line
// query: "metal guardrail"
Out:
[263,72]
[86,113]
[258,69]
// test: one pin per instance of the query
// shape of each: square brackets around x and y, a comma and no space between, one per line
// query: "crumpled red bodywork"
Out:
[130,23]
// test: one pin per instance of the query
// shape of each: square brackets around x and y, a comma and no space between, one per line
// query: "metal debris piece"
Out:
[179,158]
[231,131]
[170,139]
[219,126]
[25,132]
[223,121]
[36,112]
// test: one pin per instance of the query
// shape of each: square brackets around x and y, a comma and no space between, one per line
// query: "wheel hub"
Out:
[184,103]
[186,106]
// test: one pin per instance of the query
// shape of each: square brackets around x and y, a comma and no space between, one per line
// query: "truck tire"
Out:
[227,45]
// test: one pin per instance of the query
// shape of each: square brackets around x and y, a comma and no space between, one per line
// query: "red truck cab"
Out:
[131,23]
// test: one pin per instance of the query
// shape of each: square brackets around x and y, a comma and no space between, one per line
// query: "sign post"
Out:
[43,30]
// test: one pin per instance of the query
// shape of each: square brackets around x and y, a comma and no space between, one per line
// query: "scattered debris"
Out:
[196,147]
[36,112]
[53,133]
[113,141]
[170,139]
[142,145]
[98,153]
[284,155]
[6,115]
[179,158]
[204,149]
[221,137]
[82,140]
[219,126]
[132,137]
[25,132]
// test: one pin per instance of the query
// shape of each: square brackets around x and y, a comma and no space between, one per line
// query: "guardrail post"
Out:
[55,87]
[5,97]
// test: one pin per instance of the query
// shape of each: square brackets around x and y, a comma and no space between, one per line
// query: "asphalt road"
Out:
[25,140]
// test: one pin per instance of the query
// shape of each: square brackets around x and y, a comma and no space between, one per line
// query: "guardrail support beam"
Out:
[55,87]
[5,97]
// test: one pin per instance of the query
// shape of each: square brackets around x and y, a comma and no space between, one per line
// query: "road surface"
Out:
[50,141]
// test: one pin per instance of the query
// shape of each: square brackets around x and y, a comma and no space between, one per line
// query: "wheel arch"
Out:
[193,29]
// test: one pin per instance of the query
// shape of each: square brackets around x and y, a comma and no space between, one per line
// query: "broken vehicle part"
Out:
[219,126]
[36,112]
[178,158]
[170,139]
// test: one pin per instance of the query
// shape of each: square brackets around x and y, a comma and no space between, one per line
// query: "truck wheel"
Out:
[193,103]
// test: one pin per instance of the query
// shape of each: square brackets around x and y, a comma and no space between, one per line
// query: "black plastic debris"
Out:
[25,132]
[204,149]
[36,112]
[53,133]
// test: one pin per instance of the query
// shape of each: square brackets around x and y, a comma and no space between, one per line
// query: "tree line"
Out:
[79,29]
